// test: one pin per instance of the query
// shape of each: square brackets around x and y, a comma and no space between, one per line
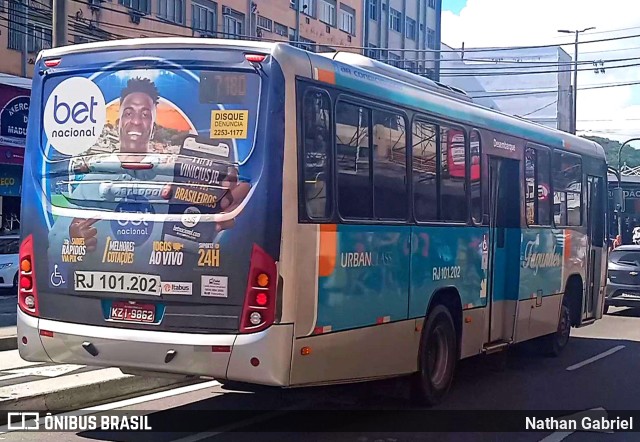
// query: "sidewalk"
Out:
[8,339]
[29,386]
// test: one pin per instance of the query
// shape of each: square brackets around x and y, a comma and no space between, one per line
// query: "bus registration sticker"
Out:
[131,283]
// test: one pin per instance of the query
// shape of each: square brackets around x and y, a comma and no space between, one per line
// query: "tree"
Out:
[630,156]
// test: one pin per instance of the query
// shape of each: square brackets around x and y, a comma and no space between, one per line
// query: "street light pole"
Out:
[575,75]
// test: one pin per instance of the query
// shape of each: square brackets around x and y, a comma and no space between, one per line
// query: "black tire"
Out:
[606,309]
[555,343]
[437,358]
[15,281]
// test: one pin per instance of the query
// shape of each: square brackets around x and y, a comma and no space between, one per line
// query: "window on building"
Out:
[373,9]
[410,29]
[308,7]
[143,6]
[394,60]
[81,39]
[233,25]
[431,38]
[307,45]
[372,51]
[425,171]
[395,19]
[39,38]
[432,4]
[317,147]
[17,19]
[328,12]
[265,23]
[204,18]
[171,10]
[353,161]
[567,189]
[280,29]
[389,165]
[347,19]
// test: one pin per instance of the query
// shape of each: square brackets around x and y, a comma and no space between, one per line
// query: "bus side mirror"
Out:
[618,199]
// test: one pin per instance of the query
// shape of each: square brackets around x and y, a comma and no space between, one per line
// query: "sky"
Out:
[612,112]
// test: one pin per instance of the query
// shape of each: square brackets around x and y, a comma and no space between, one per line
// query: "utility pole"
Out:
[25,42]
[575,75]
[59,23]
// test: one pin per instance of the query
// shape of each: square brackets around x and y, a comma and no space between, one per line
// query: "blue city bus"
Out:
[264,215]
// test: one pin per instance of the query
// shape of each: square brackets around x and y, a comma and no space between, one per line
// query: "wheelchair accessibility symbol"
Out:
[56,278]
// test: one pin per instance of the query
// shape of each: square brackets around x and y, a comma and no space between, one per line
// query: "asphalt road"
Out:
[597,370]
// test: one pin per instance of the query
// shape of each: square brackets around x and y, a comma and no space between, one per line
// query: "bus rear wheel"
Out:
[555,343]
[437,359]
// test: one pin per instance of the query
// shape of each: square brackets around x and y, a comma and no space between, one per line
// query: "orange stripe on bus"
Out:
[328,249]
[567,245]
[326,76]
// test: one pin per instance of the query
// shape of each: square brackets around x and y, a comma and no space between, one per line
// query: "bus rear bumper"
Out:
[223,357]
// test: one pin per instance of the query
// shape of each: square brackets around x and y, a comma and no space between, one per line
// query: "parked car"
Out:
[9,248]
[623,277]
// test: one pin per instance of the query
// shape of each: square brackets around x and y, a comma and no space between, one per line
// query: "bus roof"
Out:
[409,87]
[157,42]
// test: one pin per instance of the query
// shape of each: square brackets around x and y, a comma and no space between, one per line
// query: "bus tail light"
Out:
[27,293]
[255,58]
[259,308]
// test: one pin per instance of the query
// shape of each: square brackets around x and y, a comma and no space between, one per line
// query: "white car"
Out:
[9,248]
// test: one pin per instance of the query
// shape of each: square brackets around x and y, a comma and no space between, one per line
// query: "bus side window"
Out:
[389,166]
[424,173]
[543,179]
[353,161]
[317,143]
[475,187]
[453,195]
[567,189]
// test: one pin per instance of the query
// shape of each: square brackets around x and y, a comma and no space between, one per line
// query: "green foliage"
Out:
[630,156]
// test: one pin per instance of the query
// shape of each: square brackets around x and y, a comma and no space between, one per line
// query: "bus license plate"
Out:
[129,283]
[123,311]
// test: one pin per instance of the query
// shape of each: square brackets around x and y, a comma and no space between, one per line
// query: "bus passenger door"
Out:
[595,245]
[504,249]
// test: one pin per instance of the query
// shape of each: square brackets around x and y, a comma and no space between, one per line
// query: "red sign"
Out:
[456,155]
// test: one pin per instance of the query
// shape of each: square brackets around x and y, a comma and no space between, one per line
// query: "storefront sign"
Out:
[10,180]
[14,116]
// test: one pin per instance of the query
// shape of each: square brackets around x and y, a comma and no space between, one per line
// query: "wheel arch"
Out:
[450,298]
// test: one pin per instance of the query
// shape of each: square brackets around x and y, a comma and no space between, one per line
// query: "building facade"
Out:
[405,33]
[334,23]
[533,83]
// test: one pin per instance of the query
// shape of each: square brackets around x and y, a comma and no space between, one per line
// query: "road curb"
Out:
[8,343]
[88,395]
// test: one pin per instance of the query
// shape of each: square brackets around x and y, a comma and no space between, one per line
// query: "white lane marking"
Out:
[595,358]
[254,420]
[128,402]
[559,436]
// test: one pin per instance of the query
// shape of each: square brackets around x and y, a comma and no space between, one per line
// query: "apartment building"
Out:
[28,23]
[405,33]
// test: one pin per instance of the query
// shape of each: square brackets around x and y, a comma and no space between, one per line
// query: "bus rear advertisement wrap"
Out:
[150,177]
